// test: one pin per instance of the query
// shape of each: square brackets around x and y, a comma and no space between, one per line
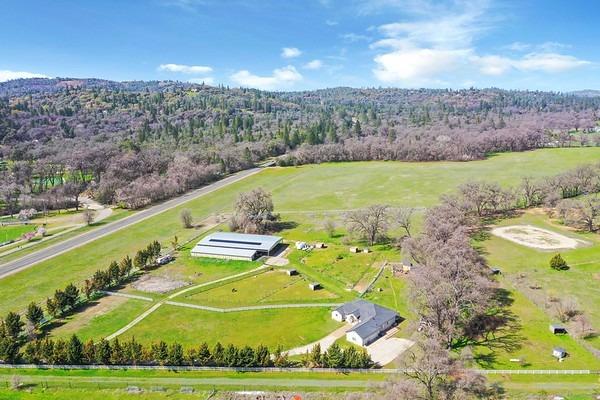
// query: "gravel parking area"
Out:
[386,349]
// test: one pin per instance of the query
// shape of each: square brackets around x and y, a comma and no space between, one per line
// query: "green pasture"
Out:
[13,232]
[273,287]
[334,186]
[529,268]
[286,327]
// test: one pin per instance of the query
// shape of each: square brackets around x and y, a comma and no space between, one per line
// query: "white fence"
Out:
[274,369]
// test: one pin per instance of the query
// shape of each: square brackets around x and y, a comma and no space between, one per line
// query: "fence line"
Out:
[275,369]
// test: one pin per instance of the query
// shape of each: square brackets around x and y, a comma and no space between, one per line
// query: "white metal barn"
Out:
[235,246]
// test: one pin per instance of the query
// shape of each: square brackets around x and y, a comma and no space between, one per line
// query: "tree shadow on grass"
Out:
[497,330]
[279,226]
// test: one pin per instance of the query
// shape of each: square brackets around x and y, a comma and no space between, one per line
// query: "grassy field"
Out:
[274,287]
[286,327]
[527,267]
[339,270]
[308,188]
[63,385]
[306,196]
[100,319]
[195,270]
[13,232]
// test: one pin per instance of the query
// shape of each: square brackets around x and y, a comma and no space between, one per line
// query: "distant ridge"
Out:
[587,93]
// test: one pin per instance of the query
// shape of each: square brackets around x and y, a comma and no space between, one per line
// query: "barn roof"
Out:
[232,240]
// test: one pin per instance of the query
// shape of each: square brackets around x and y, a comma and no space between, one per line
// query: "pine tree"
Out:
[334,356]
[13,326]
[316,358]
[218,355]
[262,357]
[103,352]
[160,352]
[71,295]
[74,351]
[89,352]
[175,354]
[230,356]
[114,273]
[204,356]
[558,263]
[117,354]
[34,314]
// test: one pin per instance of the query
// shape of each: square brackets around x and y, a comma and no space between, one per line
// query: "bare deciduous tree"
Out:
[186,218]
[254,212]
[88,216]
[329,227]
[404,218]
[432,374]
[370,223]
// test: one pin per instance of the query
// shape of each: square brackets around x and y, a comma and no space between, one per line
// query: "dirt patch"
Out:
[537,238]
[157,284]
[276,261]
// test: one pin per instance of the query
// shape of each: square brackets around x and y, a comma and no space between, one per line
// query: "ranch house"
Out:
[370,321]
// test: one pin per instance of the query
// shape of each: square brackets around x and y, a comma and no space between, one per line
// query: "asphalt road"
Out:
[69,244]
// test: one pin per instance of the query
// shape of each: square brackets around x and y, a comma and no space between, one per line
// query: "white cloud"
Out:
[314,64]
[418,65]
[7,75]
[531,62]
[354,37]
[208,80]
[493,65]
[186,69]
[549,62]
[331,22]
[290,52]
[436,47]
[281,78]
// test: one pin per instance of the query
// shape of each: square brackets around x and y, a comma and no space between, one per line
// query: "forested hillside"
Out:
[138,142]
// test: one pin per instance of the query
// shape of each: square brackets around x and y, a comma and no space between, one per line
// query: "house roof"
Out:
[559,350]
[372,316]
[231,240]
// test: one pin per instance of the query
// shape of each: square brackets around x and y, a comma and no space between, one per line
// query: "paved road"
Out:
[285,382]
[69,244]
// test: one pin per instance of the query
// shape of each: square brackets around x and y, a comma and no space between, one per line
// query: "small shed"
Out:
[354,250]
[495,271]
[302,246]
[407,265]
[291,272]
[320,245]
[314,286]
[559,353]
[558,329]
[366,250]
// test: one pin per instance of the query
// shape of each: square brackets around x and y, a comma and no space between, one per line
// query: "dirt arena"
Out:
[537,238]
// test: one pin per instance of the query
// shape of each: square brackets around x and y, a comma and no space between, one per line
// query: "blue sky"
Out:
[308,44]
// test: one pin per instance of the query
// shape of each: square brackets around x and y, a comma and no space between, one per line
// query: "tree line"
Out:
[134,144]
[14,332]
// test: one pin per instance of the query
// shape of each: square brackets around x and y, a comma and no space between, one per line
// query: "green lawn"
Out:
[286,327]
[528,267]
[13,232]
[535,343]
[101,319]
[273,287]
[336,266]
[332,186]
[196,270]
